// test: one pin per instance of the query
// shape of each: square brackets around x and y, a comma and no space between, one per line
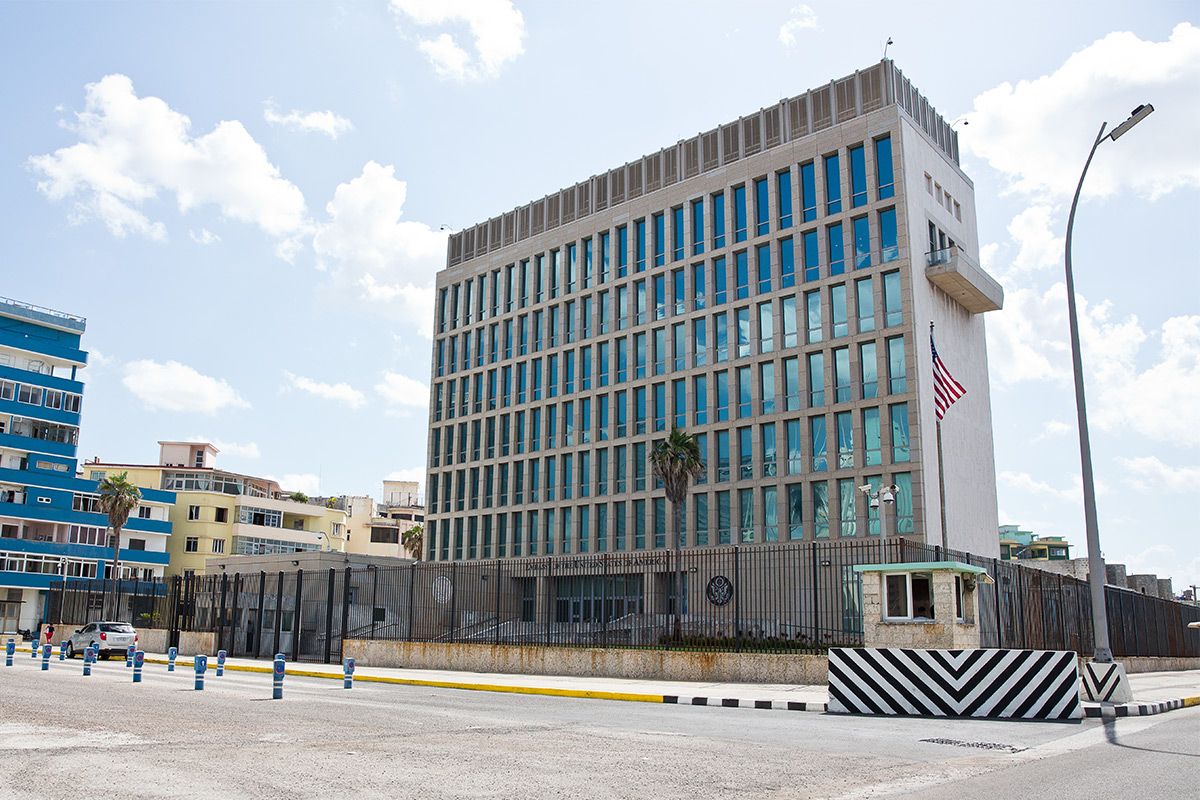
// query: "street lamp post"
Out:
[1103,651]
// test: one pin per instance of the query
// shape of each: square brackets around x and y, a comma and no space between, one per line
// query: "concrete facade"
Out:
[669,665]
[529,453]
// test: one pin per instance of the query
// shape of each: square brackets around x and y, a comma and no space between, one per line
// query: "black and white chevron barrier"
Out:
[1106,683]
[1004,684]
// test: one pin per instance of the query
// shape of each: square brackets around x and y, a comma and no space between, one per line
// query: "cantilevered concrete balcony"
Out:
[961,277]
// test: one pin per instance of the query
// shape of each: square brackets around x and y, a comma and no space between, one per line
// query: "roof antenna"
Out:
[886,46]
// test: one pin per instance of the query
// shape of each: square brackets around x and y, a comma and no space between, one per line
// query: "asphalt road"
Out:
[63,735]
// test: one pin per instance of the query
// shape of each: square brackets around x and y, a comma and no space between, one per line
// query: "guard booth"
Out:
[926,604]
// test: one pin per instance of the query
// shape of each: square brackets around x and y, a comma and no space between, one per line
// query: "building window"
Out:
[897,368]
[908,596]
[837,249]
[900,445]
[218,545]
[739,213]
[883,168]
[862,243]
[193,513]
[833,185]
[718,220]
[783,183]
[808,192]
[762,208]
[868,370]
[191,545]
[888,248]
[858,176]
[892,304]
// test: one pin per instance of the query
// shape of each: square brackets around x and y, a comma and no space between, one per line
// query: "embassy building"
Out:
[766,286]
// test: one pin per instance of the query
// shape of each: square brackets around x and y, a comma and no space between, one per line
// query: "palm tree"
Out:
[412,539]
[118,499]
[676,462]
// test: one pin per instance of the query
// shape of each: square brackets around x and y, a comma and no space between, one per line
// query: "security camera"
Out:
[888,495]
[874,502]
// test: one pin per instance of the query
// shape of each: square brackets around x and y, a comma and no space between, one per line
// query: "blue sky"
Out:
[245,200]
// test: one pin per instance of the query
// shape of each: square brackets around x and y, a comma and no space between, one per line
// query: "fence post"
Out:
[262,597]
[497,601]
[345,612]
[221,619]
[412,588]
[996,587]
[604,603]
[297,610]
[329,616]
[549,599]
[737,606]
[816,593]
[278,609]
[374,595]
[453,600]
[233,617]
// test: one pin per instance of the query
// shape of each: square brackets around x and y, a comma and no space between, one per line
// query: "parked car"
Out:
[110,637]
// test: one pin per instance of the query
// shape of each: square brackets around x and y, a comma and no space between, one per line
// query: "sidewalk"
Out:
[1154,692]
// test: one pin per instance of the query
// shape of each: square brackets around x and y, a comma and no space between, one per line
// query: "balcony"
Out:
[41,315]
[961,277]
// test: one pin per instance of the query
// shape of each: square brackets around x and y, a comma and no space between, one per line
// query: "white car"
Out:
[109,637]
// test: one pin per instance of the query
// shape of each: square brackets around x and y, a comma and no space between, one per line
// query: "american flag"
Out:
[946,390]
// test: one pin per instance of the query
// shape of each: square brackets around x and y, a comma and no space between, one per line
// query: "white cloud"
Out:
[1033,231]
[1025,482]
[340,392]
[325,122]
[1038,132]
[407,474]
[301,482]
[97,363]
[496,27]
[247,450]
[205,236]
[389,261]
[172,386]
[132,149]
[1150,474]
[401,392]
[799,18]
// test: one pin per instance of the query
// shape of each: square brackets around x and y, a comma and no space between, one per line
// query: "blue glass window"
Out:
[622,251]
[787,264]
[720,337]
[893,315]
[660,239]
[700,396]
[900,446]
[820,453]
[677,291]
[837,245]
[679,403]
[605,256]
[858,176]
[762,208]
[639,228]
[741,263]
[862,243]
[677,233]
[697,227]
[869,370]
[762,255]
[719,281]
[783,183]
[718,220]
[888,249]
[812,257]
[897,369]
[883,167]
[739,213]
[698,285]
[816,379]
[833,185]
[808,192]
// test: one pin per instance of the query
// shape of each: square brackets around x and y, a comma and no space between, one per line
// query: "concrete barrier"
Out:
[669,665]
[193,643]
[153,640]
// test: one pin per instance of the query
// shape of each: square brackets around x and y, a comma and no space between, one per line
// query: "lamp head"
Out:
[1135,116]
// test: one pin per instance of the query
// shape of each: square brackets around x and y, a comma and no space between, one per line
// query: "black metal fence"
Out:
[77,601]
[778,598]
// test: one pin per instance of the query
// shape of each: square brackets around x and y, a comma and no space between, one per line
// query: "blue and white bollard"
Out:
[10,647]
[62,651]
[33,648]
[129,655]
[89,655]
[46,650]
[277,673]
[200,664]
[172,653]
[348,673]
[220,663]
[139,658]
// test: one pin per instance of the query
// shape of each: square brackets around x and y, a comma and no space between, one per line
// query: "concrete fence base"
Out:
[667,665]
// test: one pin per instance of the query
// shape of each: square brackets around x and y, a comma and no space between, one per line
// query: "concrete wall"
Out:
[1157,664]
[154,640]
[592,662]
[193,643]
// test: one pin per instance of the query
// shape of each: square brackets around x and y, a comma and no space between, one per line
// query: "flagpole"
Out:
[941,472]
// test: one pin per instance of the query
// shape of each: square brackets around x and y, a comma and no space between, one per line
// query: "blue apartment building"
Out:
[50,525]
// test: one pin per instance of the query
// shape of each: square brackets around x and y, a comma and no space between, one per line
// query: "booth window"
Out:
[909,596]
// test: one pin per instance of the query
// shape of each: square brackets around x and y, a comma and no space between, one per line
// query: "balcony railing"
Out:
[40,314]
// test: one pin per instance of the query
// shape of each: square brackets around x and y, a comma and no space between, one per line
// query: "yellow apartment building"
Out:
[219,513]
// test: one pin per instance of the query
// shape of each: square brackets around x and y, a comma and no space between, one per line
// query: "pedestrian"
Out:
[50,633]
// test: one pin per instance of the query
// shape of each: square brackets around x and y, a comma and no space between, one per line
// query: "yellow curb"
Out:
[1188,702]
[589,694]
